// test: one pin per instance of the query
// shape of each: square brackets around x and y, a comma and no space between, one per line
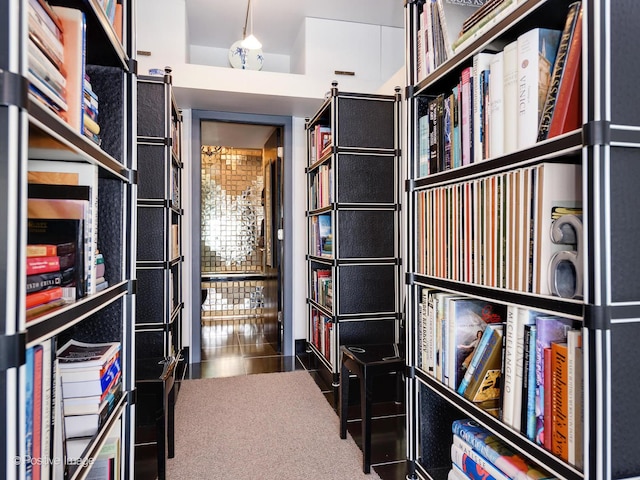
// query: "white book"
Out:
[510,97]
[427,17]
[559,191]
[525,317]
[47,386]
[496,103]
[481,62]
[420,52]
[537,50]
[510,357]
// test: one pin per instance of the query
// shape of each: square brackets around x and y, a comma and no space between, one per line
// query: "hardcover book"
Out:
[497,452]
[467,320]
[549,330]
[558,69]
[537,50]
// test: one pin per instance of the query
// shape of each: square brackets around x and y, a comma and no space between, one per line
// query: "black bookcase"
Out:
[353,187]
[29,130]
[605,146]
[159,307]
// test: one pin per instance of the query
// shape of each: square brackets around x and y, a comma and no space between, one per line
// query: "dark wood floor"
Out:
[243,347]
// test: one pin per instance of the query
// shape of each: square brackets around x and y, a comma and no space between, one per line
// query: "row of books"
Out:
[506,100]
[320,143]
[91,128]
[70,393]
[477,454]
[56,65]
[445,26]
[321,189]
[497,230]
[519,364]
[322,334]
[62,213]
[322,287]
[321,235]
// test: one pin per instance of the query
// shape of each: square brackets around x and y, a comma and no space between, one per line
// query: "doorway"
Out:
[242,211]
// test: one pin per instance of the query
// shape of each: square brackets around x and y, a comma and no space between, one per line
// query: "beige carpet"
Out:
[274,426]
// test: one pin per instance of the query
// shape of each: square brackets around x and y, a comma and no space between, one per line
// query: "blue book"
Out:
[529,379]
[496,451]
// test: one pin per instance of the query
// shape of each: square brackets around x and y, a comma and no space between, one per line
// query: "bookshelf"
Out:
[353,184]
[602,303]
[158,334]
[31,133]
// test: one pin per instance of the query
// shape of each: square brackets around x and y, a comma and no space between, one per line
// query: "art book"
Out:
[467,320]
[549,330]
[496,451]
[482,381]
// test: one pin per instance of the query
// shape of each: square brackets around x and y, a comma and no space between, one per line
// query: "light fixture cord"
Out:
[246,21]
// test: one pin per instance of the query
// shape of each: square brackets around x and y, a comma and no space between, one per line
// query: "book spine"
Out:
[473,469]
[558,70]
[559,399]
[41,281]
[37,265]
[462,447]
[490,358]
[566,114]
[44,296]
[510,355]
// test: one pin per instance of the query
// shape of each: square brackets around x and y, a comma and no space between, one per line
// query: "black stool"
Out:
[366,362]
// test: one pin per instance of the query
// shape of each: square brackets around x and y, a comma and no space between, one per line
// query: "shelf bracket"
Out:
[133,66]
[132,287]
[14,351]
[132,396]
[410,372]
[597,317]
[14,90]
[597,133]
[133,177]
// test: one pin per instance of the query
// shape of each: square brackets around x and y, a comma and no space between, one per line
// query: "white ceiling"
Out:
[276,23]
[236,135]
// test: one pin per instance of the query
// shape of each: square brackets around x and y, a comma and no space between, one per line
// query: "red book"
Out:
[37,265]
[44,296]
[567,114]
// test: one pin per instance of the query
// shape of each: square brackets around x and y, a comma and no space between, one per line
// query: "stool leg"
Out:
[344,400]
[366,389]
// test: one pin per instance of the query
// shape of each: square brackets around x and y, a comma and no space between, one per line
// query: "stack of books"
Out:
[101,282]
[46,58]
[476,453]
[91,387]
[91,129]
[50,270]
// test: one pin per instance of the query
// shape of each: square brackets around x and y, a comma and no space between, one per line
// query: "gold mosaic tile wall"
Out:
[231,219]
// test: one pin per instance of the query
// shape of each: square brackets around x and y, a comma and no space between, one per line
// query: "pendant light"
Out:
[250,42]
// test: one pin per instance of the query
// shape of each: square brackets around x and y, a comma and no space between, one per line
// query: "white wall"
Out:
[299,222]
[155,18]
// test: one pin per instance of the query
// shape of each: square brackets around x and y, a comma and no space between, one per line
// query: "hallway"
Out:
[242,347]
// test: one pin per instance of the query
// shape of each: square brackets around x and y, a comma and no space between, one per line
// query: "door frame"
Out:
[288,347]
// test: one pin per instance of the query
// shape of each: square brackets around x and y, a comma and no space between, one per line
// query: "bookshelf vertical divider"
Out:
[31,131]
[353,214]
[158,329]
[605,146]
